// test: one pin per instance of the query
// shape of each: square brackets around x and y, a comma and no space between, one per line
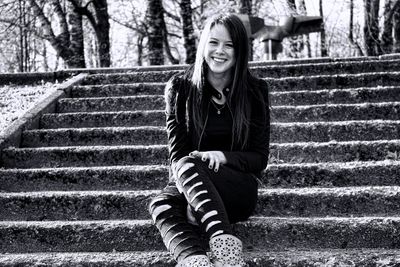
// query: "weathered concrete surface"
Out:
[84,178]
[331,112]
[337,112]
[260,70]
[335,96]
[107,136]
[157,154]
[329,176]
[84,156]
[324,111]
[261,258]
[333,151]
[129,89]
[381,173]
[319,82]
[307,152]
[30,120]
[366,130]
[336,174]
[129,205]
[111,104]
[141,235]
[103,119]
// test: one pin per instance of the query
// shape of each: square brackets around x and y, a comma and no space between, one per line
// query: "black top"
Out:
[218,131]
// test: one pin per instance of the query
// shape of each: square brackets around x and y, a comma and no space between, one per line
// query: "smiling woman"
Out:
[218,136]
[219,54]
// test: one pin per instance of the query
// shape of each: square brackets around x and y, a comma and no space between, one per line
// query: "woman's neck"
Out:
[219,80]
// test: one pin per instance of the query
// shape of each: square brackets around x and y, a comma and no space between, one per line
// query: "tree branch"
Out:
[49,34]
[129,26]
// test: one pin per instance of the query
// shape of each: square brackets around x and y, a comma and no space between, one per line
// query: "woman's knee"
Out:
[158,204]
[187,165]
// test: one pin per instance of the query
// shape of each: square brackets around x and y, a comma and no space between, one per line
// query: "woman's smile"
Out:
[219,51]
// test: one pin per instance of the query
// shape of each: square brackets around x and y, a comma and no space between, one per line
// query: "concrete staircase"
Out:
[75,192]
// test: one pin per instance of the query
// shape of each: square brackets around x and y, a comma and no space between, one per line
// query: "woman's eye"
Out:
[229,45]
[213,42]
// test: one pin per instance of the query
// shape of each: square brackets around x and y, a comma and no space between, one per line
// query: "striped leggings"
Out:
[215,199]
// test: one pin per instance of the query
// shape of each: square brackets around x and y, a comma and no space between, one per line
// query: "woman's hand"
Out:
[215,158]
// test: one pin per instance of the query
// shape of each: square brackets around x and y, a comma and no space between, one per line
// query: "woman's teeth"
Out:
[219,60]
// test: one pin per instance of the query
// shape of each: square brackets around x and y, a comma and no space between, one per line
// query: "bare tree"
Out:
[96,11]
[188,31]
[371,28]
[155,22]
[69,42]
[324,49]
[396,27]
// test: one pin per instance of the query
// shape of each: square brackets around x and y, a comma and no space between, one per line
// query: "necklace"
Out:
[217,108]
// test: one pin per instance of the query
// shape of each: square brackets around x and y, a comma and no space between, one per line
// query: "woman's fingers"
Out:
[214,158]
[216,166]
[194,153]
[211,161]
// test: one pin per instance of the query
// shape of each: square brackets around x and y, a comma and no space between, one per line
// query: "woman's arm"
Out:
[179,143]
[255,158]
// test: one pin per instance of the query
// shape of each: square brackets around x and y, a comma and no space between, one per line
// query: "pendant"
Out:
[218,112]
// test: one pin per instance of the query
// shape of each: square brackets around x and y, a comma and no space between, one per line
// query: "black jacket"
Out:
[182,138]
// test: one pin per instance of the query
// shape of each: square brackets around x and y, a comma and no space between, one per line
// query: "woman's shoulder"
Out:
[178,82]
[259,87]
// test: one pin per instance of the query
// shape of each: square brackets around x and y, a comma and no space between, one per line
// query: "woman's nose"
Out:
[220,48]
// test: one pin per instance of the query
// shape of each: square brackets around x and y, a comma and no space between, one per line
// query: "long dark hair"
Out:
[238,99]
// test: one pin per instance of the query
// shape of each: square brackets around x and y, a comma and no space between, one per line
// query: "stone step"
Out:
[309,113]
[259,71]
[277,98]
[123,103]
[339,81]
[333,151]
[307,152]
[337,112]
[148,135]
[326,68]
[150,177]
[304,98]
[282,84]
[259,233]
[336,96]
[145,135]
[108,90]
[84,156]
[103,119]
[259,258]
[126,205]
[136,177]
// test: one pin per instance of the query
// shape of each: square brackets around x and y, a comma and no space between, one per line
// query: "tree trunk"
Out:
[188,31]
[99,19]
[102,29]
[396,29]
[154,18]
[74,20]
[387,35]
[140,49]
[69,43]
[324,48]
[371,28]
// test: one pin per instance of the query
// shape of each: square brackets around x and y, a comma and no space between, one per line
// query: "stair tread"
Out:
[163,146]
[341,191]
[259,257]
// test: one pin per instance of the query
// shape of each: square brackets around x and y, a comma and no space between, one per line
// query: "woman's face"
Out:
[219,52]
